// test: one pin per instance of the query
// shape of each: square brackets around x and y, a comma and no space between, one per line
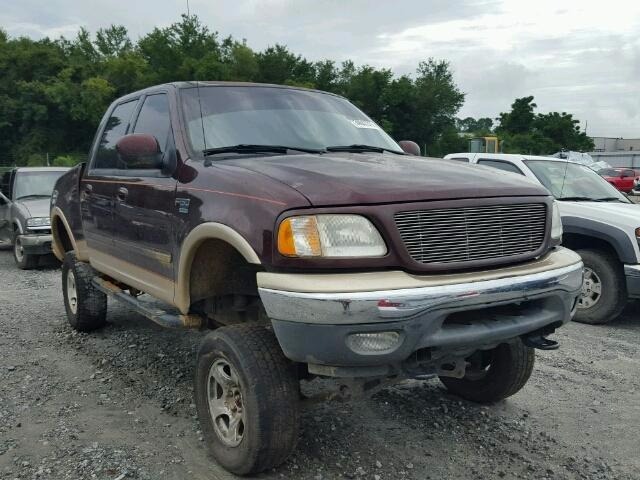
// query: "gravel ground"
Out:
[117,404]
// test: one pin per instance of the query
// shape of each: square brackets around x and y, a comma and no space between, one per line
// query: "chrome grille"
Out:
[448,235]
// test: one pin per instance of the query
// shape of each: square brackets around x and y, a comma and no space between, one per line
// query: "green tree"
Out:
[278,65]
[519,119]
[563,131]
[480,126]
[524,131]
[113,41]
[438,99]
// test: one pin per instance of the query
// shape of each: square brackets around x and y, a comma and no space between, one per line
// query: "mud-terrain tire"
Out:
[508,368]
[24,261]
[247,399]
[86,306]
[604,272]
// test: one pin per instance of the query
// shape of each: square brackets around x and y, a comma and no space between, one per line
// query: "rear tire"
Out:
[246,395]
[603,274]
[502,372]
[24,261]
[86,306]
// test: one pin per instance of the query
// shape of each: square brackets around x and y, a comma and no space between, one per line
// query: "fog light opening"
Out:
[373,342]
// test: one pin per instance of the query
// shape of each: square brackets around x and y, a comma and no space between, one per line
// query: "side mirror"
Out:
[139,150]
[409,147]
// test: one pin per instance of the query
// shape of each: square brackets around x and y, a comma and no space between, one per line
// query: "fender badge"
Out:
[183,205]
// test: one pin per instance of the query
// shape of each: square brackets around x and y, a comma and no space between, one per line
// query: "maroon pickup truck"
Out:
[311,245]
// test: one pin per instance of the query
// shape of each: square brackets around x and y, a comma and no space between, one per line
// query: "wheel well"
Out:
[218,270]
[577,241]
[61,236]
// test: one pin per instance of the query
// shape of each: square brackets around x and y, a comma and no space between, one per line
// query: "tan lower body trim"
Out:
[80,247]
[82,251]
[133,276]
[395,280]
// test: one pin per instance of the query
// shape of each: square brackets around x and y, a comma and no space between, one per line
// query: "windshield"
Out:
[572,180]
[609,172]
[223,116]
[35,184]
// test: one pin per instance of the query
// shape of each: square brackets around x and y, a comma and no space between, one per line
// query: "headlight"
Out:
[38,222]
[329,236]
[556,223]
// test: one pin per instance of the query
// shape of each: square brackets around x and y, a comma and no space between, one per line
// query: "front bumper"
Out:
[36,244]
[632,274]
[442,315]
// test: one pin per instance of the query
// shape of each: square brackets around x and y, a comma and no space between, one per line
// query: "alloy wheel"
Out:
[591,289]
[226,407]
[72,294]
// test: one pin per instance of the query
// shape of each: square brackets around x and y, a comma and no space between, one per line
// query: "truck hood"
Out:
[623,215]
[35,207]
[362,178]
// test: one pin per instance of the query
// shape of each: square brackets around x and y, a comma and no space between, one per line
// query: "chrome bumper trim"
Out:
[395,305]
[632,270]
[35,239]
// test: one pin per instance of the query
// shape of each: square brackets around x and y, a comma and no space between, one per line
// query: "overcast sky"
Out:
[578,56]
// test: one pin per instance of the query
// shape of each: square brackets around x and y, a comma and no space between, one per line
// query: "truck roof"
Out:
[211,83]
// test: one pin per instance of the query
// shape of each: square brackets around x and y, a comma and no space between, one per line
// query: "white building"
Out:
[611,144]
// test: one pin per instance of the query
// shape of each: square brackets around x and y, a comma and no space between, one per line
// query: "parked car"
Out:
[25,194]
[599,223]
[292,226]
[622,178]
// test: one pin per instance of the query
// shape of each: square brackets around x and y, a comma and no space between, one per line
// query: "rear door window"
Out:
[154,119]
[116,128]
[500,165]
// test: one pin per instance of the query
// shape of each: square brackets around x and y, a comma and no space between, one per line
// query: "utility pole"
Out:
[188,14]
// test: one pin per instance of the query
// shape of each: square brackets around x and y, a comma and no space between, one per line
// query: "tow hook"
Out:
[540,342]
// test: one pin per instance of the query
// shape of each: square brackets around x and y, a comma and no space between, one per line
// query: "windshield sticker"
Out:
[364,124]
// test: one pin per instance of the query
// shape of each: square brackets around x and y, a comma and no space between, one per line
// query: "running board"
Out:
[157,315]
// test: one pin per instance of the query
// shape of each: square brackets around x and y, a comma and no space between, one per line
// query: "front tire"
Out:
[24,261]
[494,375]
[86,306]
[246,395]
[604,290]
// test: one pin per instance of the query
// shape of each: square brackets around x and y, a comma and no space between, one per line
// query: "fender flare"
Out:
[79,247]
[18,226]
[206,231]
[614,236]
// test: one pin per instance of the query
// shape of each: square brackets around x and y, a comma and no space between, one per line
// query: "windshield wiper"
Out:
[609,199]
[36,195]
[591,199]
[361,148]
[577,199]
[251,148]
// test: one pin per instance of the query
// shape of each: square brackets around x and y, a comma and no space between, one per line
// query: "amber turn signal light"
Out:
[298,237]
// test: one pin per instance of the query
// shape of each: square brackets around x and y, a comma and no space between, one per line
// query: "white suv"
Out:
[599,222]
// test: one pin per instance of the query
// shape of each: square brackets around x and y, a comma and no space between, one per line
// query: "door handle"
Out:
[122,194]
[88,188]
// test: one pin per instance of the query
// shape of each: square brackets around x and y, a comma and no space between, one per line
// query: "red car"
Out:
[621,178]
